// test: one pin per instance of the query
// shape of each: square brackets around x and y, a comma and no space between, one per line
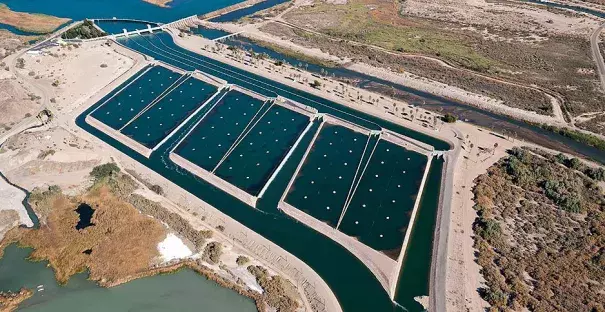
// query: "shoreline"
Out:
[37,24]
[160,3]
[417,82]
[462,97]
[168,268]
[306,279]
[199,269]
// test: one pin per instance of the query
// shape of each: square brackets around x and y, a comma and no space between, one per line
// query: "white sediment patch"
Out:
[172,248]
[12,199]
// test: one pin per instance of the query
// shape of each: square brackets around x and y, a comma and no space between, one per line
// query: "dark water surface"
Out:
[235,15]
[356,288]
[134,9]
[498,123]
[118,26]
[85,212]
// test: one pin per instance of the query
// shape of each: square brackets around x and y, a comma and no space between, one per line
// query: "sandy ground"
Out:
[15,103]
[27,162]
[462,272]
[516,17]
[172,248]
[406,79]
[77,72]
[12,211]
[69,160]
[160,3]
[68,165]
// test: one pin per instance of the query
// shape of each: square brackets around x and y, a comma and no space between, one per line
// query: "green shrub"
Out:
[596,173]
[449,118]
[578,136]
[212,252]
[86,30]
[488,229]
[315,84]
[105,170]
[242,260]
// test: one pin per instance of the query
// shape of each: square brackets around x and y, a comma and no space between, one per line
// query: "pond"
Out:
[184,290]
[85,212]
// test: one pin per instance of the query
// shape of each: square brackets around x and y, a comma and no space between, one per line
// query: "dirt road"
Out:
[596,53]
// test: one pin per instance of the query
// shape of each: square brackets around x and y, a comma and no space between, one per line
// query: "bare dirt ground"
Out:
[10,42]
[58,154]
[59,70]
[160,3]
[16,103]
[49,157]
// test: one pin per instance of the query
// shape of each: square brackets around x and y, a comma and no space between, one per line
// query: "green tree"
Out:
[449,118]
[105,170]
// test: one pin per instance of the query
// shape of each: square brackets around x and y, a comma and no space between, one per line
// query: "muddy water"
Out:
[181,291]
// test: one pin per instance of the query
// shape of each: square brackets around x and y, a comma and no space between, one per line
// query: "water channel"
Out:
[355,287]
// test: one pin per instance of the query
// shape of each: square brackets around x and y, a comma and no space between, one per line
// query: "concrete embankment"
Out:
[214,180]
[229,9]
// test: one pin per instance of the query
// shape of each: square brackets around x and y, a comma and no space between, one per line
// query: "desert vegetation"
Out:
[120,242]
[212,252]
[242,260]
[86,30]
[278,292]
[33,23]
[518,63]
[9,301]
[540,233]
[578,136]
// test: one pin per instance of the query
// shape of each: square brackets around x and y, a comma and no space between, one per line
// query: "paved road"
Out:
[596,53]
[437,295]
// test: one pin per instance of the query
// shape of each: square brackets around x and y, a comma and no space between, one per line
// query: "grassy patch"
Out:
[34,23]
[364,23]
[578,136]
[121,243]
[295,54]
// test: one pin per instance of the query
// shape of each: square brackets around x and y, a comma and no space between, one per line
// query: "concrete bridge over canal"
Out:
[181,23]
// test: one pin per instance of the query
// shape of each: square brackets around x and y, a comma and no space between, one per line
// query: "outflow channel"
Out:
[471,114]
[354,285]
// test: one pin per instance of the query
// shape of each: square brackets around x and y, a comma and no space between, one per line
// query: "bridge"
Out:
[227,36]
[114,19]
[182,23]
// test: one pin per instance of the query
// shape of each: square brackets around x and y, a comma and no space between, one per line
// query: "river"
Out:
[482,118]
